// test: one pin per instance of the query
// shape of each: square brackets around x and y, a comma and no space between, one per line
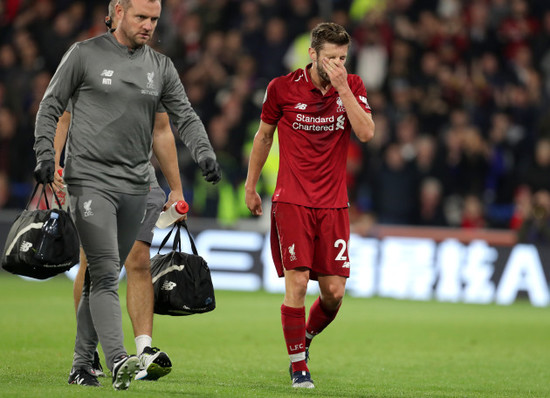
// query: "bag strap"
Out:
[55,195]
[176,246]
[42,194]
[176,239]
[191,241]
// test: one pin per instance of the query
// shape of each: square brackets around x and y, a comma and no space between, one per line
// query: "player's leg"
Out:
[107,226]
[140,297]
[128,206]
[82,371]
[331,267]
[324,309]
[292,254]
[79,279]
[77,294]
[293,317]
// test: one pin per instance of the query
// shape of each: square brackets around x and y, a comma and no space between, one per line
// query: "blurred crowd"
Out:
[460,93]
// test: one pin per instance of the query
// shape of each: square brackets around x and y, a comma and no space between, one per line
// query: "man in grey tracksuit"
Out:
[116,84]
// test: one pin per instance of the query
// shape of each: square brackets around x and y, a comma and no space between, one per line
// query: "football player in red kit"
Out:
[314,110]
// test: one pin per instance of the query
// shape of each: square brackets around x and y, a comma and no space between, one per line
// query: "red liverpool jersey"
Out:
[314,133]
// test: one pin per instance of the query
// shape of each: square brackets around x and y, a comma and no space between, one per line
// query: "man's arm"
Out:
[58,144]
[61,137]
[263,140]
[188,125]
[361,121]
[164,148]
[66,78]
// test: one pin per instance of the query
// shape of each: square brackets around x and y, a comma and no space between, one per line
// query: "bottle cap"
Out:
[182,207]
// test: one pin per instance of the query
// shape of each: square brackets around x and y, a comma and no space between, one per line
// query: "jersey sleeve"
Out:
[360,93]
[184,118]
[66,79]
[161,108]
[271,110]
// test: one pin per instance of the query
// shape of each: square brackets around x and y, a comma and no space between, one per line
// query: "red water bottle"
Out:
[173,213]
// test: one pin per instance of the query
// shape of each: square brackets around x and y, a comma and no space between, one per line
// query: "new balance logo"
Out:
[168,285]
[106,74]
[345,265]
[25,246]
[301,106]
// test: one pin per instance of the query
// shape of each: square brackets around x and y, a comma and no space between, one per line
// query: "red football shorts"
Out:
[313,238]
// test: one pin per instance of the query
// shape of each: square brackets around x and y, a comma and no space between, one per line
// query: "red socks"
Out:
[319,318]
[294,330]
[298,336]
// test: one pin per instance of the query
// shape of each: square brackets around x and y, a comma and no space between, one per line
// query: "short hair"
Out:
[329,32]
[111,8]
[111,14]
[126,4]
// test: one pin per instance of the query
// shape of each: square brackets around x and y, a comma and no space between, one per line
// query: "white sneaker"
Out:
[124,371]
[154,364]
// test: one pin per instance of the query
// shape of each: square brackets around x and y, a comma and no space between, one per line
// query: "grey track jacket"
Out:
[115,94]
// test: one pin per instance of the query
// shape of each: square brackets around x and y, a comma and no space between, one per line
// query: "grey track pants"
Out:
[107,223]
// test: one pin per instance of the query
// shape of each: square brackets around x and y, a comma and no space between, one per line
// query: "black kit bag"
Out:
[32,251]
[182,282]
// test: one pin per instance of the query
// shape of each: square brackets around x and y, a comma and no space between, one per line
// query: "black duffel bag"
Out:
[181,282]
[41,243]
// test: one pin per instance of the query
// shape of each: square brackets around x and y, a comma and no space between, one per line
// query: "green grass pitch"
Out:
[375,348]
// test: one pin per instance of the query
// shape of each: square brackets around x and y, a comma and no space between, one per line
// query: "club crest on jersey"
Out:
[150,82]
[340,104]
[151,88]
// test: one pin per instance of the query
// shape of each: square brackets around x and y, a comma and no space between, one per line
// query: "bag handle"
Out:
[42,193]
[177,238]
[191,241]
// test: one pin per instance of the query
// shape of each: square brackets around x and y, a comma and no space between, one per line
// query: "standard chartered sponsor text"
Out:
[319,123]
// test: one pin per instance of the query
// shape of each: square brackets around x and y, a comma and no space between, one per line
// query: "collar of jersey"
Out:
[122,47]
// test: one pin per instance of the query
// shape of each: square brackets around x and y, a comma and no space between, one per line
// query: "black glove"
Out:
[210,170]
[43,172]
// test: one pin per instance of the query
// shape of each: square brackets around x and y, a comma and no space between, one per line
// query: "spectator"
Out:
[430,211]
[472,212]
[395,195]
[536,227]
